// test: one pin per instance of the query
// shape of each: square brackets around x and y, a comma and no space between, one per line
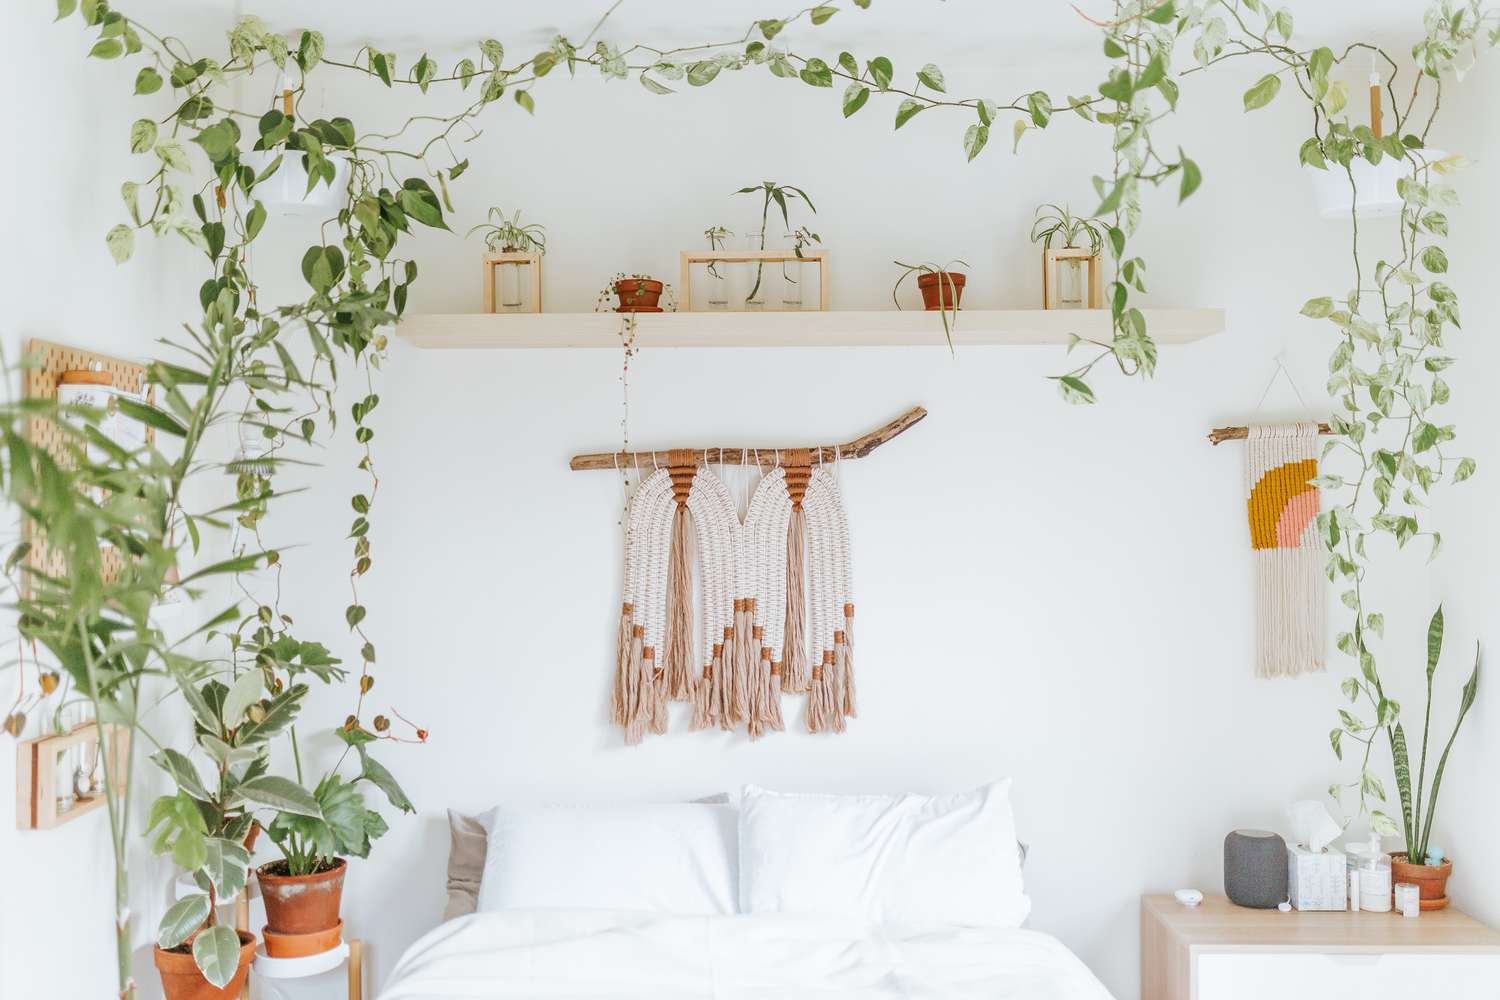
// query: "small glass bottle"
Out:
[508,285]
[1371,868]
[757,277]
[791,281]
[1070,282]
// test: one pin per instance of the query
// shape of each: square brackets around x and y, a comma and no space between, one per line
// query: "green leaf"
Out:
[121,242]
[142,135]
[492,51]
[816,74]
[974,139]
[654,86]
[281,794]
[855,96]
[374,772]
[524,99]
[1465,469]
[1318,308]
[931,76]
[65,7]
[700,74]
[150,416]
[1191,178]
[1075,390]
[182,772]
[107,48]
[820,15]
[382,67]
[881,72]
[184,917]
[1040,107]
[245,692]
[171,153]
[907,110]
[147,81]
[1434,641]
[217,952]
[1162,14]
[1263,92]
[189,850]
[1435,260]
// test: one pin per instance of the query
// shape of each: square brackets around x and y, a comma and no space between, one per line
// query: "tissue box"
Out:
[1317,880]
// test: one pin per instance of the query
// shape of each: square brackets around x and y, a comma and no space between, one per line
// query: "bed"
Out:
[769,895]
[598,954]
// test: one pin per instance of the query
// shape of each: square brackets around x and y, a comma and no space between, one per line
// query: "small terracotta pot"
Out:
[1431,880]
[301,945]
[181,980]
[251,837]
[638,294]
[301,904]
[937,293]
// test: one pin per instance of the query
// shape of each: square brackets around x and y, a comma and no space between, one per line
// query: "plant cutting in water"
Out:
[771,191]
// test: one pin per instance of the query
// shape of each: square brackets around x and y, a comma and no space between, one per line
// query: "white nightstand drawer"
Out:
[1300,975]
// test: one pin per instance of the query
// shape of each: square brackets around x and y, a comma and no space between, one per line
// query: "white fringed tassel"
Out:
[849,701]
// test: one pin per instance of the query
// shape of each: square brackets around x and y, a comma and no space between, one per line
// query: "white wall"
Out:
[70,151]
[1057,594]
[1053,593]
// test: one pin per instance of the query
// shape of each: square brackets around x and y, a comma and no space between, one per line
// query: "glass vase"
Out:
[756,276]
[1072,280]
[717,282]
[791,284]
[508,288]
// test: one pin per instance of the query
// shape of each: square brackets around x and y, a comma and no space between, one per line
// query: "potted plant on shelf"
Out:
[942,289]
[512,245]
[1071,275]
[780,194]
[1430,869]
[635,292]
[206,825]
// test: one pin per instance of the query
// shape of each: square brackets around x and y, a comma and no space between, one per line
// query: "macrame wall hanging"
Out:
[1282,504]
[730,615]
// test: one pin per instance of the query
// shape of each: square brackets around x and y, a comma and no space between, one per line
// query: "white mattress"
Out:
[593,953]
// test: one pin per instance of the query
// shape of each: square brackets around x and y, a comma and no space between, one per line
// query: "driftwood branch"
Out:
[858,448]
[1219,434]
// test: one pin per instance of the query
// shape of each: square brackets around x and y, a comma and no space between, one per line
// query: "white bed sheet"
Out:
[597,954]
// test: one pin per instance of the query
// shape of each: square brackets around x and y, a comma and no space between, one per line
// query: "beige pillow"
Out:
[468,841]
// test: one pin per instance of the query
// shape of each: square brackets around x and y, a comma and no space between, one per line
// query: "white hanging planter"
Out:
[285,192]
[1374,195]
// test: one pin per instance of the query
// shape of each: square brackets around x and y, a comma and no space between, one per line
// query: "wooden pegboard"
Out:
[48,361]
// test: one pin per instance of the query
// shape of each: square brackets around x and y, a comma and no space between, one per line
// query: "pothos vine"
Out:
[1385,368]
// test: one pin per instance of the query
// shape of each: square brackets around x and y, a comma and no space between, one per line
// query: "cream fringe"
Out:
[849,704]
[1289,600]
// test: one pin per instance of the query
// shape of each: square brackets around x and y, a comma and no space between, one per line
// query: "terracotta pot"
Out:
[638,294]
[937,292]
[300,945]
[1430,880]
[251,837]
[181,980]
[301,904]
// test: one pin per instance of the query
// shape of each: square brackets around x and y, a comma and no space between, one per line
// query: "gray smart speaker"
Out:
[1255,872]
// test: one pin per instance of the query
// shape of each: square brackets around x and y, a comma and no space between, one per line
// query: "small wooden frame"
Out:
[691,257]
[36,775]
[1052,294]
[531,260]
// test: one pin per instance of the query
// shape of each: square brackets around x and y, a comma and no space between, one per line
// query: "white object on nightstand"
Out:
[1188,897]
[1219,951]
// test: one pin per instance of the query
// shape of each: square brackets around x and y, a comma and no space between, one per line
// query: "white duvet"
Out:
[596,954]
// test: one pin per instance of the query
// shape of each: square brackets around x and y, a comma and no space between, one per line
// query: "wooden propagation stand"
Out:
[37,767]
[533,261]
[691,257]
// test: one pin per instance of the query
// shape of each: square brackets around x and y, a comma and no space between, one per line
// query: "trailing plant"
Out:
[770,192]
[1389,324]
[1057,222]
[509,235]
[949,300]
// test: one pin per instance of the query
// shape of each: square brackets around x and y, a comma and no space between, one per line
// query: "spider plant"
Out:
[1057,222]
[771,191]
[502,235]
[948,313]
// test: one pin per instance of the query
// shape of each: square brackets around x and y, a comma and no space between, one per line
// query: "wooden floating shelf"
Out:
[809,328]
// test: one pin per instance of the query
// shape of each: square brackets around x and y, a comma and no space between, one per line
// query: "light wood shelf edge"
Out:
[810,328]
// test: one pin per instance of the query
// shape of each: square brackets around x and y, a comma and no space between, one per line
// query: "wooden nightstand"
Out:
[1219,951]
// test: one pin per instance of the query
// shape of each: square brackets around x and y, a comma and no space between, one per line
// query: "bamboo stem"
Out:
[1222,434]
[858,448]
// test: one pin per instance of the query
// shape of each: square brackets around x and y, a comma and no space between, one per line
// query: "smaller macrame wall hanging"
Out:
[729,616]
[1282,504]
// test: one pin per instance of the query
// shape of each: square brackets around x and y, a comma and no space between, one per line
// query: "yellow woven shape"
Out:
[1280,506]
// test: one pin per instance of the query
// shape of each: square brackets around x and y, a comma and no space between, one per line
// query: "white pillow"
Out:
[676,858]
[899,861]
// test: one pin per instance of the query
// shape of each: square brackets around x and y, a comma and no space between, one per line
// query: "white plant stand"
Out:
[348,953]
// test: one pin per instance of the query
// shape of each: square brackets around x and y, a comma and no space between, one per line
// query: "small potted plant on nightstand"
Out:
[636,293]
